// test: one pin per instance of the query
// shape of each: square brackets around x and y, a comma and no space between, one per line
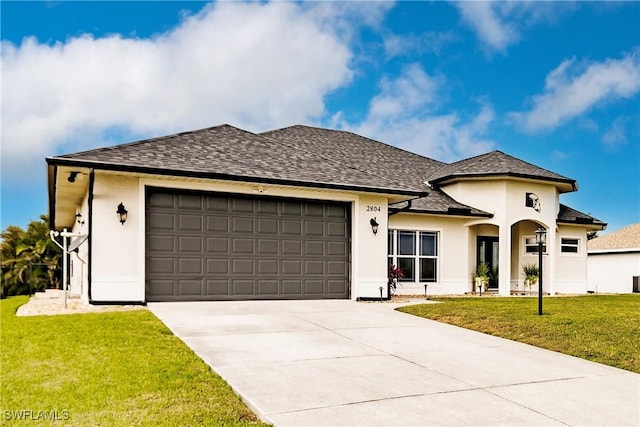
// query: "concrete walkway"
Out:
[343,363]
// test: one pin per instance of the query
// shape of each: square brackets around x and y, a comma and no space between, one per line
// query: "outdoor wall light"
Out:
[79,218]
[374,225]
[72,176]
[122,213]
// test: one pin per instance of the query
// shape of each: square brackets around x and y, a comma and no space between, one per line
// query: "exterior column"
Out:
[504,263]
[548,260]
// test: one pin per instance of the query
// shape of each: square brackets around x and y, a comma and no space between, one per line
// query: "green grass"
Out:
[118,368]
[604,329]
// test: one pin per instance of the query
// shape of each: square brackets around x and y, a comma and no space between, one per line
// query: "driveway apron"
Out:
[345,363]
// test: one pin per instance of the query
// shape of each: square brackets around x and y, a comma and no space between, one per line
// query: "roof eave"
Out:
[569,184]
[58,161]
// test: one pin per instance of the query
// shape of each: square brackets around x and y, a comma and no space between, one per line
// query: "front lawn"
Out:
[118,368]
[600,328]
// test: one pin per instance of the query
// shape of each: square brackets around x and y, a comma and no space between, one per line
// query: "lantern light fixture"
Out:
[541,239]
[122,213]
[374,225]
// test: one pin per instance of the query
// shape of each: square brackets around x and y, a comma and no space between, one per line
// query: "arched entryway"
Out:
[524,253]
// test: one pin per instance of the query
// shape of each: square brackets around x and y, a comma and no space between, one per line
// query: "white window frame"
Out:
[530,241]
[577,245]
[416,256]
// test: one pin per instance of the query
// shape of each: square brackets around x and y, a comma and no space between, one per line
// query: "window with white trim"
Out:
[570,245]
[531,247]
[415,253]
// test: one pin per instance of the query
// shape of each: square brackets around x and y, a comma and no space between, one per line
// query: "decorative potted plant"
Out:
[481,280]
[395,273]
[531,274]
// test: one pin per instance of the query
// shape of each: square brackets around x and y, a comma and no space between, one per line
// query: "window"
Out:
[569,245]
[531,247]
[415,253]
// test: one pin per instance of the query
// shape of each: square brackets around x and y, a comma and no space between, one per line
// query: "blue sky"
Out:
[553,83]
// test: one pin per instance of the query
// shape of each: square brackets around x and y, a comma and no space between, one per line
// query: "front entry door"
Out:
[488,252]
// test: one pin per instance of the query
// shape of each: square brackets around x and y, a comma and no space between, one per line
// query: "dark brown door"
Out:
[213,246]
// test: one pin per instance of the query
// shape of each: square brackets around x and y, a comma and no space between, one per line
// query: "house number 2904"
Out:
[373,209]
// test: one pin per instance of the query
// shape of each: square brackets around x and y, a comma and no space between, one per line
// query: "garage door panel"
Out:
[242,225]
[217,203]
[268,246]
[190,287]
[267,226]
[268,287]
[217,266]
[339,249]
[268,267]
[218,245]
[160,288]
[161,200]
[190,201]
[189,266]
[243,266]
[291,247]
[190,222]
[190,244]
[205,246]
[292,227]
[293,208]
[292,287]
[314,248]
[217,288]
[217,223]
[156,265]
[241,205]
[242,287]
[161,221]
[161,243]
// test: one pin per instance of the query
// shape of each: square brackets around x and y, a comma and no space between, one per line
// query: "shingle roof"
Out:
[404,168]
[227,152]
[438,202]
[569,215]
[625,238]
[316,157]
[497,163]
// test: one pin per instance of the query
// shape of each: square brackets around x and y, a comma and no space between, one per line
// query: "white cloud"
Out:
[617,134]
[572,89]
[487,21]
[412,44]
[257,66]
[406,113]
[499,24]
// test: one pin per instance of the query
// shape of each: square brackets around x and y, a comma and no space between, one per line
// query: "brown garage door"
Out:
[212,246]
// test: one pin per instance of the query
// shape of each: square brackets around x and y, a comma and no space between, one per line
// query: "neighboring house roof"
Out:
[569,215]
[497,163]
[625,239]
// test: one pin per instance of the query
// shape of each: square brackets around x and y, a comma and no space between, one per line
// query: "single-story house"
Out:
[613,261]
[306,213]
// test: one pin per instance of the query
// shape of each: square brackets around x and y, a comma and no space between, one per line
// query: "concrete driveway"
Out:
[344,363]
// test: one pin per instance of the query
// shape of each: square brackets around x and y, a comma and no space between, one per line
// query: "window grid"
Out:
[531,247]
[415,253]
[570,245]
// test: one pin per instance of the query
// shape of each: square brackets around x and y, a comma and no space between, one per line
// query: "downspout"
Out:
[90,238]
[52,198]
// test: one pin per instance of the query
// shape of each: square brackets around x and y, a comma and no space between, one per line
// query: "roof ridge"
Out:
[148,140]
[356,135]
